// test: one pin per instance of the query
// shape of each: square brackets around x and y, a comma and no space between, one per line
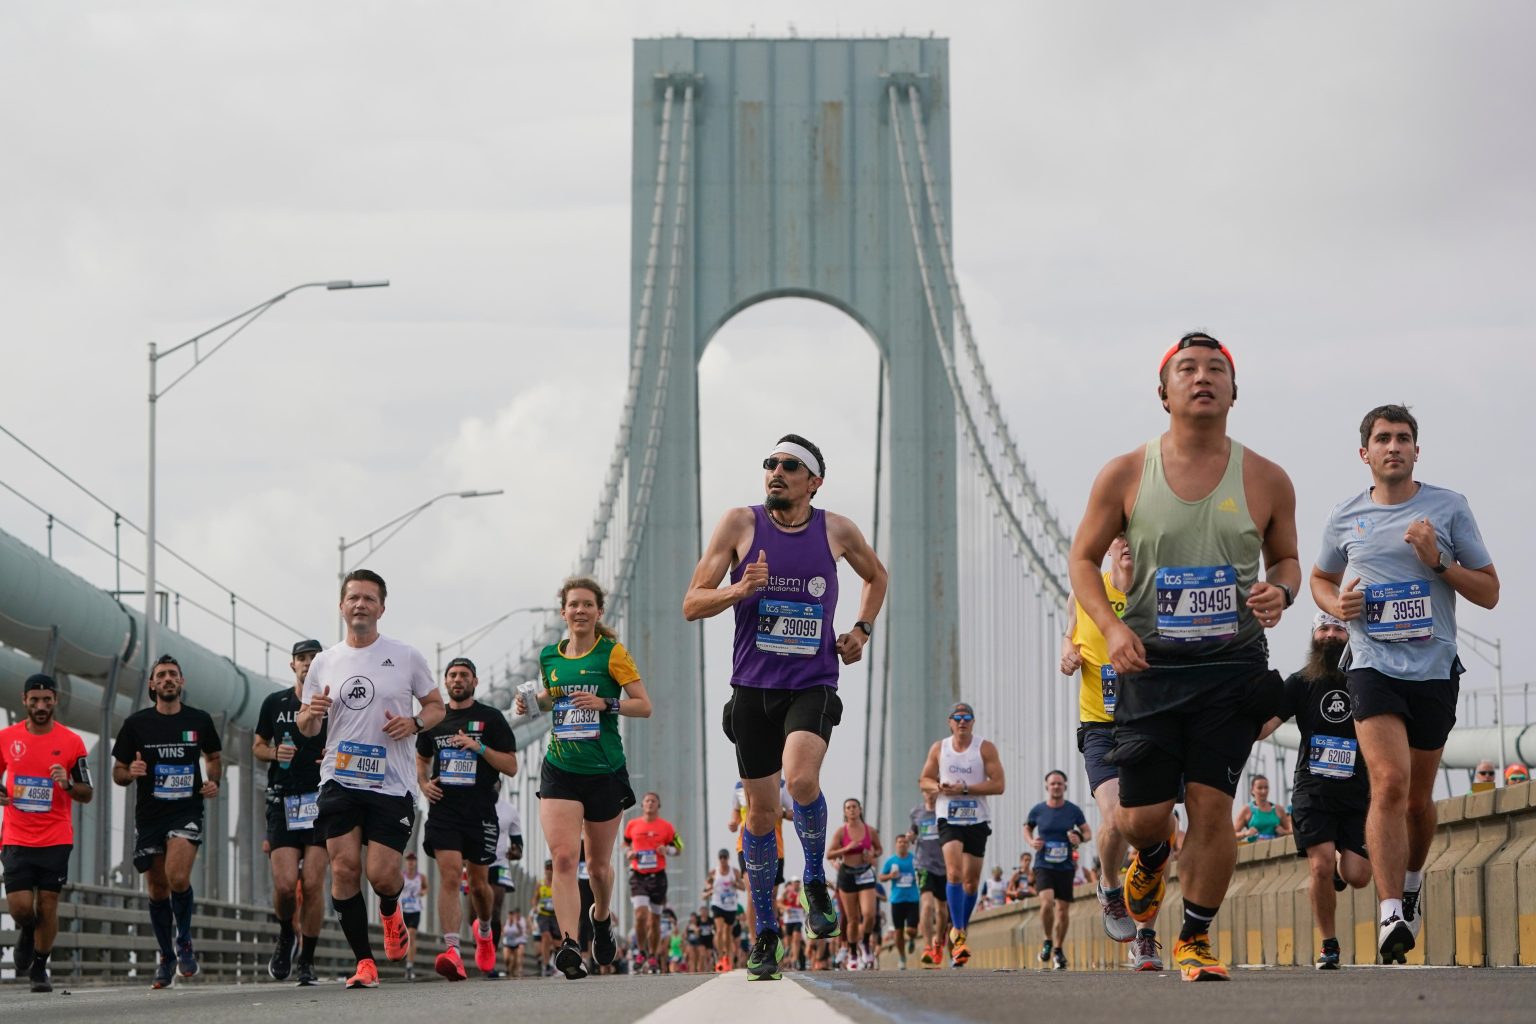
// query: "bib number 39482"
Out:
[1398,611]
[173,781]
[789,627]
[1196,603]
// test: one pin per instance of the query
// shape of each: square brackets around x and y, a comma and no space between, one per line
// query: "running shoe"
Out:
[1339,885]
[604,949]
[485,949]
[23,951]
[165,970]
[394,934]
[367,975]
[820,911]
[568,960]
[1044,955]
[723,965]
[1144,890]
[763,961]
[1411,916]
[1395,940]
[450,965]
[281,963]
[38,975]
[1060,959]
[930,955]
[959,952]
[1117,923]
[304,974]
[1196,961]
[410,972]
[186,960]
[1144,955]
[1328,959]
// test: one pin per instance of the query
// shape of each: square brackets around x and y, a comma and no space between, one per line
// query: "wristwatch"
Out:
[1290,598]
[867,627]
[1442,563]
[420,725]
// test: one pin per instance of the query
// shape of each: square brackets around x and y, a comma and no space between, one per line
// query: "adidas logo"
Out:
[406,822]
[390,664]
[1227,505]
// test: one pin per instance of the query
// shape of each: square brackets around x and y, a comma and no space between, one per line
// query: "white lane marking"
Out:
[731,996]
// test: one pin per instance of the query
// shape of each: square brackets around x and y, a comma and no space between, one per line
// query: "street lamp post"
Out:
[474,636]
[394,526]
[1497,661]
[156,393]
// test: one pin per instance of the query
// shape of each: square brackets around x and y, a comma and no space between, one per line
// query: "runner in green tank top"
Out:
[1199,510]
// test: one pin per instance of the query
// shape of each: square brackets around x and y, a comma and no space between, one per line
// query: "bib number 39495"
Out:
[789,627]
[1196,603]
[1398,611]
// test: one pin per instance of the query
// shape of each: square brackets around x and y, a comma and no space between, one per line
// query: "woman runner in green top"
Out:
[589,680]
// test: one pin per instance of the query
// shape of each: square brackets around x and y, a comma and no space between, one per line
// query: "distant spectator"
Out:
[993,888]
[1515,774]
[1261,819]
[1019,885]
[1485,775]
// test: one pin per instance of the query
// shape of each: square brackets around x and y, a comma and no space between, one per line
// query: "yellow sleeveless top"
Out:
[1094,650]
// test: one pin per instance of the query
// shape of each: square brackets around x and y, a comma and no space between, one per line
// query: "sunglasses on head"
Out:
[962,717]
[773,462]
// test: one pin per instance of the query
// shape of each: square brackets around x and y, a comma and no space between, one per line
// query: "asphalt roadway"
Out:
[1351,996]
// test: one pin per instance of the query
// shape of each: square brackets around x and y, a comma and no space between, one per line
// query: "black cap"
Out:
[456,662]
[307,647]
[38,681]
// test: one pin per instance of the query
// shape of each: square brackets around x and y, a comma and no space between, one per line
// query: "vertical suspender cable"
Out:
[869,678]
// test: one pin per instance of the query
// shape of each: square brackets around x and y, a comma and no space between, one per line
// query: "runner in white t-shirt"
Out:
[365,689]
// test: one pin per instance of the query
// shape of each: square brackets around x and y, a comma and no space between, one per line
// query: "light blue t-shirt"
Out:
[1366,539]
[904,885]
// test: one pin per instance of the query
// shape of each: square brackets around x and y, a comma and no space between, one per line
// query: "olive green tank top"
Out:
[1195,562]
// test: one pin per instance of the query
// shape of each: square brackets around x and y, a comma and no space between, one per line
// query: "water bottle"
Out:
[527,691]
[287,741]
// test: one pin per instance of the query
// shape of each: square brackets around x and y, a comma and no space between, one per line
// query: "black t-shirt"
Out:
[467,780]
[273,723]
[1330,760]
[172,746]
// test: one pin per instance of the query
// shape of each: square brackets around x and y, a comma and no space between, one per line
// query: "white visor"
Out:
[800,452]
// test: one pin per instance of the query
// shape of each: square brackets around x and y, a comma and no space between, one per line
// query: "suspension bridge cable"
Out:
[874,543]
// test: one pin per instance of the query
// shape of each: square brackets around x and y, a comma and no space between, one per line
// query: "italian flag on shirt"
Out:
[190,736]
[475,727]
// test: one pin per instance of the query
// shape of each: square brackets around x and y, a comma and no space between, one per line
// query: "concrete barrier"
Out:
[1479,903]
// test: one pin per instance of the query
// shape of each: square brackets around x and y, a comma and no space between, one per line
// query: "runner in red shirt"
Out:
[645,838]
[44,768]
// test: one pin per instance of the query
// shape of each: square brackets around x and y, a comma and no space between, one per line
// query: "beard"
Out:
[777,503]
[1323,661]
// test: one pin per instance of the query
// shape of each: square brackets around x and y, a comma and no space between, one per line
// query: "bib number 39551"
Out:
[1196,604]
[1398,611]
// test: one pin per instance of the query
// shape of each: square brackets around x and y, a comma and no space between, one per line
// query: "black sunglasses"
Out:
[773,462]
[1487,773]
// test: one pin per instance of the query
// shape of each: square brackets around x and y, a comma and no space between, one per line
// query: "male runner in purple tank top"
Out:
[782,558]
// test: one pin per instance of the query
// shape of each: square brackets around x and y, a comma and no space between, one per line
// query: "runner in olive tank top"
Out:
[1198,510]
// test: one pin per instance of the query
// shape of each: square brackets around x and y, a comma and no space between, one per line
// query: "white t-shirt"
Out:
[366,682]
[511,820]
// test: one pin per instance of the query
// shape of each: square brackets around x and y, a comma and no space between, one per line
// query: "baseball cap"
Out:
[1196,338]
[307,647]
[465,662]
[38,681]
[961,705]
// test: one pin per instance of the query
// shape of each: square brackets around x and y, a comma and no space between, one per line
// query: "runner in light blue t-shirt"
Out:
[901,871]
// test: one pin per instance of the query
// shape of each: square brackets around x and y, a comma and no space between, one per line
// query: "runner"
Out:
[784,701]
[794,924]
[1084,648]
[459,766]
[412,884]
[157,751]
[583,785]
[44,768]
[514,937]
[1054,829]
[544,917]
[293,795]
[901,872]
[1332,790]
[509,850]
[722,889]
[856,847]
[1410,549]
[363,692]
[1260,819]
[928,855]
[962,770]
[704,942]
[648,839]
[1198,510]
[737,824]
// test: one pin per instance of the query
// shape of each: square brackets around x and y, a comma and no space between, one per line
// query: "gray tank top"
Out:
[1195,562]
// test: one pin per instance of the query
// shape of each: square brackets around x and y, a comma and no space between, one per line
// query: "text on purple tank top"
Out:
[784,635]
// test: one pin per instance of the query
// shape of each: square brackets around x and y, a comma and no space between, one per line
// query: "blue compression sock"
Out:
[762,856]
[954,895]
[970,904]
[811,827]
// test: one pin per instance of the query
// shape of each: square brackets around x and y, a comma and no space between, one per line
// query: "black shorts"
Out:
[972,838]
[1318,817]
[778,874]
[1191,724]
[45,868]
[476,840]
[501,878]
[150,837]
[721,914]
[649,890]
[280,836]
[548,925]
[758,721]
[412,918]
[603,796]
[856,879]
[793,927]
[1094,741]
[932,882]
[1427,707]
[1058,882]
[904,915]
[382,818]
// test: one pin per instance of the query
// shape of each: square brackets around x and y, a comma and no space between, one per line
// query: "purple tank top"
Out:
[784,635]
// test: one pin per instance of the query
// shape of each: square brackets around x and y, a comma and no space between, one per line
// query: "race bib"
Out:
[788,627]
[725,899]
[865,877]
[1056,851]
[1196,603]
[32,794]
[547,906]
[963,812]
[794,915]
[173,781]
[361,764]
[906,880]
[1332,757]
[456,767]
[927,828]
[1398,611]
[1108,681]
[573,723]
[301,810]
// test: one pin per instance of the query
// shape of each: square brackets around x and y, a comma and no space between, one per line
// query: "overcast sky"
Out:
[1342,193]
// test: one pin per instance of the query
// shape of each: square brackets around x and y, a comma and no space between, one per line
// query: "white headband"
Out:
[800,452]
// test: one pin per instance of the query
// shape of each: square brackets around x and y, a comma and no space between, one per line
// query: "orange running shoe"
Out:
[367,975]
[394,934]
[1197,962]
[485,949]
[450,965]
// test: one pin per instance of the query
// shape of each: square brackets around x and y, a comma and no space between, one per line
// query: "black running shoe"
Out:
[1411,916]
[568,960]
[1394,940]
[604,949]
[820,911]
[763,961]
[39,977]
[165,970]
[186,960]
[281,964]
[23,951]
[304,974]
